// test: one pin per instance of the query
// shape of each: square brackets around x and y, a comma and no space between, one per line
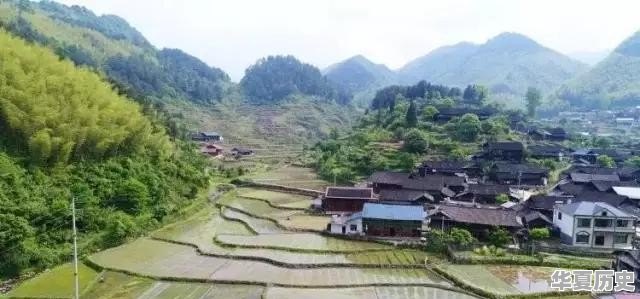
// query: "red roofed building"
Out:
[210,149]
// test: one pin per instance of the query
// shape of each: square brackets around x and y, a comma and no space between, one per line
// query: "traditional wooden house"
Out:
[340,200]
[447,167]
[210,149]
[383,220]
[629,173]
[206,137]
[240,151]
[502,151]
[438,186]
[547,151]
[403,196]
[483,193]
[478,220]
[519,174]
[558,134]
[587,178]
[447,114]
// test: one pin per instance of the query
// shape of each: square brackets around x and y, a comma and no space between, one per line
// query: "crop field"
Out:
[261,226]
[365,293]
[305,222]
[257,207]
[57,282]
[300,241]
[281,199]
[171,290]
[161,259]
[292,176]
[115,285]
[504,279]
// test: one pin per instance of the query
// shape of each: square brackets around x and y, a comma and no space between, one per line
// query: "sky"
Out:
[233,34]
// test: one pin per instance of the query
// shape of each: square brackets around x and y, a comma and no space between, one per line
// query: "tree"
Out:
[462,237]
[131,196]
[499,237]
[502,198]
[633,161]
[415,142]
[533,99]
[468,127]
[429,112]
[540,233]
[606,161]
[412,115]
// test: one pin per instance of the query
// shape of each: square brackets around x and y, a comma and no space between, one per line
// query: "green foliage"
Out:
[502,198]
[412,115]
[540,233]
[633,161]
[499,237]
[462,237]
[415,141]
[67,133]
[533,99]
[274,78]
[429,112]
[66,114]
[605,161]
[476,94]
[467,128]
[489,251]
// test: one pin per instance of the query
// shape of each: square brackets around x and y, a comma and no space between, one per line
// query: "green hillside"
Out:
[358,74]
[507,64]
[172,79]
[615,81]
[66,133]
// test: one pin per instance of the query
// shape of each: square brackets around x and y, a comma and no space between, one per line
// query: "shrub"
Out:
[499,237]
[540,233]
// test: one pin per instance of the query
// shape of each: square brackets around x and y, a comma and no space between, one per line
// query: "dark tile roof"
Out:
[604,186]
[586,177]
[592,170]
[544,202]
[505,145]
[628,171]
[475,215]
[488,189]
[571,188]
[349,192]
[446,164]
[546,150]
[403,195]
[594,196]
[534,215]
[519,168]
[416,182]
[557,131]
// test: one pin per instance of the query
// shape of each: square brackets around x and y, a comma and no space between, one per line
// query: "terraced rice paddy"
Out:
[55,283]
[365,293]
[257,207]
[161,259]
[300,242]
[292,176]
[171,290]
[278,199]
[504,279]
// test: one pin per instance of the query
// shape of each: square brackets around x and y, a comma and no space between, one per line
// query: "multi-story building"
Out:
[595,225]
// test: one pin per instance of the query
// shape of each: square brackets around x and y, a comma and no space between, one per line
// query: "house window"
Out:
[622,223]
[584,222]
[559,216]
[353,227]
[582,238]
[603,223]
[620,238]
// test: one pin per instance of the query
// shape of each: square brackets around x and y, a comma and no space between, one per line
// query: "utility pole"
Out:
[75,249]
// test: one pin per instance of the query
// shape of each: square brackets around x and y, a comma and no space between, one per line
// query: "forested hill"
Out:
[507,64]
[108,44]
[274,78]
[65,133]
[359,74]
[615,81]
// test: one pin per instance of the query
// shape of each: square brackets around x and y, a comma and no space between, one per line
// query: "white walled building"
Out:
[346,225]
[594,225]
